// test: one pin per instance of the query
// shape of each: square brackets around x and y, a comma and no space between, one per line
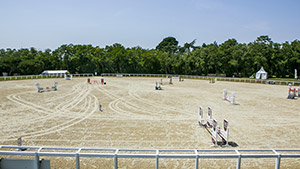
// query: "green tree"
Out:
[168,44]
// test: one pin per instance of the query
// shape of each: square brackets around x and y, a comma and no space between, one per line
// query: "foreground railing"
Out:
[156,154]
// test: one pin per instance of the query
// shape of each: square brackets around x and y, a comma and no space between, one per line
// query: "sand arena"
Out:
[137,116]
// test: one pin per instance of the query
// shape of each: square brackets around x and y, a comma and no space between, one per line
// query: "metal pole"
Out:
[77,159]
[197,160]
[277,165]
[36,161]
[157,159]
[116,159]
[238,165]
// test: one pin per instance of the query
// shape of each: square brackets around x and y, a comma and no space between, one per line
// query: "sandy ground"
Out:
[137,116]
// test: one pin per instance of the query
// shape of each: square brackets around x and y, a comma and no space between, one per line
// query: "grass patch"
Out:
[285,79]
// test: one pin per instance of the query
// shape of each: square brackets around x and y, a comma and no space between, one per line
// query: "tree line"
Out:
[228,58]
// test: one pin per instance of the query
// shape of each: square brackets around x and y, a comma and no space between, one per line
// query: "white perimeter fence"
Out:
[245,80]
[156,154]
[21,77]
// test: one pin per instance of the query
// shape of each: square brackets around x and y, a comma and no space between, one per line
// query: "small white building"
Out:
[261,74]
[60,73]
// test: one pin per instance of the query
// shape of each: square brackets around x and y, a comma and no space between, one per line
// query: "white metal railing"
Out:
[230,79]
[157,154]
[22,77]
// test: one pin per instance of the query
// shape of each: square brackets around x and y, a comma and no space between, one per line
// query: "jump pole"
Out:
[214,133]
[224,132]
[201,120]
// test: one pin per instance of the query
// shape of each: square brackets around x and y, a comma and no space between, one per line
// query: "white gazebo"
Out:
[261,74]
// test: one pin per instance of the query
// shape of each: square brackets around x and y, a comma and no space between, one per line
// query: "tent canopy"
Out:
[261,74]
[55,72]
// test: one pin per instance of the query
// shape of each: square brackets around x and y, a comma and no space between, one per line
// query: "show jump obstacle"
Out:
[230,99]
[158,86]
[101,81]
[212,80]
[68,77]
[181,79]
[48,89]
[211,126]
[293,92]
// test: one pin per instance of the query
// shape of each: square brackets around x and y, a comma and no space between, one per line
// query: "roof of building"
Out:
[54,71]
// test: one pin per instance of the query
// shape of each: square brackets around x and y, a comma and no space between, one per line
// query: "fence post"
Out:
[36,161]
[197,160]
[157,159]
[238,164]
[77,159]
[277,165]
[116,159]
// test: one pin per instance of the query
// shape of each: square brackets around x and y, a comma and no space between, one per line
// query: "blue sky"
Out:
[48,24]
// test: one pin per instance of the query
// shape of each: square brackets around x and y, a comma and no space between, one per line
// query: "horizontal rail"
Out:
[23,77]
[152,153]
[229,79]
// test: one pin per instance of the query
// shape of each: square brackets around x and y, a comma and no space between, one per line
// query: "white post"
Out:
[20,143]
[232,98]
[238,164]
[157,159]
[200,120]
[200,113]
[197,160]
[226,130]
[36,161]
[209,114]
[116,159]
[77,159]
[214,132]
[224,94]
[38,87]
[290,96]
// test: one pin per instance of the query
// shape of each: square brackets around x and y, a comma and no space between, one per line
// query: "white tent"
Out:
[55,72]
[261,74]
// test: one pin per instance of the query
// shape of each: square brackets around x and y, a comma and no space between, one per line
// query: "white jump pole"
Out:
[214,132]
[201,120]
[209,114]
[225,131]
[232,100]
[224,94]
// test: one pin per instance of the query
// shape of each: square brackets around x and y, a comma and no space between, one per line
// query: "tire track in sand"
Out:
[49,114]
[148,112]
[54,114]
